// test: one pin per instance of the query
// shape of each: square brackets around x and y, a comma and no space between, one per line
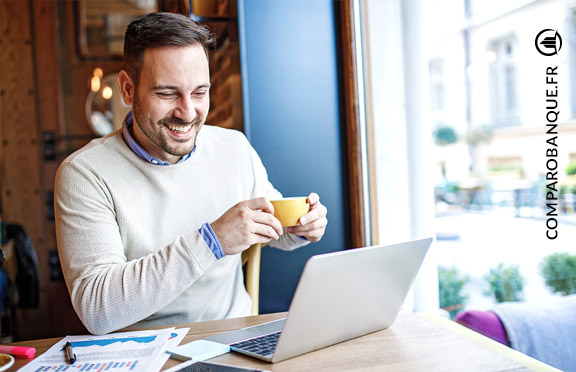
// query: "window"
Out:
[504,83]
[490,202]
[489,211]
[437,89]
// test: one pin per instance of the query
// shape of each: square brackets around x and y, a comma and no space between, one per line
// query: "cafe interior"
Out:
[59,64]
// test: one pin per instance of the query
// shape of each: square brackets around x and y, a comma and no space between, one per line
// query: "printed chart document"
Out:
[139,351]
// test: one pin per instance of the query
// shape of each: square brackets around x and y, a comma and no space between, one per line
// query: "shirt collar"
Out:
[138,150]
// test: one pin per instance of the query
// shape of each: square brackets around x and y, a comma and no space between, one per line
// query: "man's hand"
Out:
[248,222]
[313,224]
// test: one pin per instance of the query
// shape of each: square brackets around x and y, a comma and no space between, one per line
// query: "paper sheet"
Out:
[175,338]
[139,351]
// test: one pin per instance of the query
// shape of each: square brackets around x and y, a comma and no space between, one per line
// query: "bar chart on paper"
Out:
[106,366]
[129,351]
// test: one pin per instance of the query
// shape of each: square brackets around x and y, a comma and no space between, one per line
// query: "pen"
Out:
[69,352]
[18,351]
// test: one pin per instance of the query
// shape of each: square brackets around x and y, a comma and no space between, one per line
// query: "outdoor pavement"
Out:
[475,241]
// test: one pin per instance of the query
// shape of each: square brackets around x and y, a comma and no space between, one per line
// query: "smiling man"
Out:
[150,220]
[171,102]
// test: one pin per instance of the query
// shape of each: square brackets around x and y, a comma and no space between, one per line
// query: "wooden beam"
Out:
[350,104]
[56,308]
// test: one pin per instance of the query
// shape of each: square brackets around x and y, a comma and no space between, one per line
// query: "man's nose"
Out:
[186,109]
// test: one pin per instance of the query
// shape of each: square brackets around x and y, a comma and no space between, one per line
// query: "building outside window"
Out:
[486,81]
[504,82]
[490,217]
[437,94]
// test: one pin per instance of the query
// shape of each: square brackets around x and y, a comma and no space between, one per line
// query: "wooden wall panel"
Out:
[21,181]
[45,21]
[44,86]
[31,105]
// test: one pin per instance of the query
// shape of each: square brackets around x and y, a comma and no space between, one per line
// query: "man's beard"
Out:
[157,135]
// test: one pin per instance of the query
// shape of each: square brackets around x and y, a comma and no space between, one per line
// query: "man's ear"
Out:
[127,87]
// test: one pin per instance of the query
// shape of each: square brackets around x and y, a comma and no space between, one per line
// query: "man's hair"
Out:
[157,30]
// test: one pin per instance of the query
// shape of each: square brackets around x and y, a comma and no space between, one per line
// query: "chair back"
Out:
[251,264]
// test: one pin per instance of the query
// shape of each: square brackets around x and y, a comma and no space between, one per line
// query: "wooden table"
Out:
[413,343]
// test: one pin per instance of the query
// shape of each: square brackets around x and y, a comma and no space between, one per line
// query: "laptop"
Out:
[340,296]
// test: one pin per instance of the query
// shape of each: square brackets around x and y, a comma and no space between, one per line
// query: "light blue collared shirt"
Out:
[138,150]
[206,230]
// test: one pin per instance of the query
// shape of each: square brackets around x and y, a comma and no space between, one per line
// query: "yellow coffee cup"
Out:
[289,210]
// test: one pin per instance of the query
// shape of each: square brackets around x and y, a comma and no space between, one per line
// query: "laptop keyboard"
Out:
[262,345]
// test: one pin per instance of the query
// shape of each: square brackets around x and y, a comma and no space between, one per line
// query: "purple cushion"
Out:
[484,322]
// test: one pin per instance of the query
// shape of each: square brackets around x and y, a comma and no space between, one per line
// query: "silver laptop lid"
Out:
[347,294]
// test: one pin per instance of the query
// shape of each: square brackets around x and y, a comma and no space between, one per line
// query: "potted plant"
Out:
[505,283]
[451,285]
[559,271]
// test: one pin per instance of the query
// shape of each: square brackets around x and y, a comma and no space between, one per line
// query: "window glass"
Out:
[506,182]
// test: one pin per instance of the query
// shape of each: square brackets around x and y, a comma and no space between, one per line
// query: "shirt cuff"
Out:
[211,240]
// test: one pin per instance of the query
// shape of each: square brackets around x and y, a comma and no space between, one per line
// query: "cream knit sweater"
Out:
[128,237]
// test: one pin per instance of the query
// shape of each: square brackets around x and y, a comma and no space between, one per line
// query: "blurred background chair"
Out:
[251,264]
[541,330]
[19,281]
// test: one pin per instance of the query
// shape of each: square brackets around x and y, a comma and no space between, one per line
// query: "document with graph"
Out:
[138,351]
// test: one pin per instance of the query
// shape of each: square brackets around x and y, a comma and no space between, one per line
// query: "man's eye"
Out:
[201,93]
[165,95]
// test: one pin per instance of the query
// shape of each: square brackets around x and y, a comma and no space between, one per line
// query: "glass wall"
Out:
[504,166]
[498,109]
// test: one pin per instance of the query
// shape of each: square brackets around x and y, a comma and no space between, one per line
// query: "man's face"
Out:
[171,101]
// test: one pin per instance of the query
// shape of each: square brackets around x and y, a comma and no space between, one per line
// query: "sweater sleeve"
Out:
[263,187]
[108,291]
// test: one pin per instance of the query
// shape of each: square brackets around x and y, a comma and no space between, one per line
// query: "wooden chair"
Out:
[251,264]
